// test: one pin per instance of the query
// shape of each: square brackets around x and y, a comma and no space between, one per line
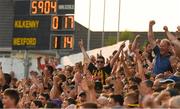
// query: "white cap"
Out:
[59,66]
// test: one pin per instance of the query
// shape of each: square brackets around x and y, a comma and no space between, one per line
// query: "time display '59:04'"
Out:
[43,7]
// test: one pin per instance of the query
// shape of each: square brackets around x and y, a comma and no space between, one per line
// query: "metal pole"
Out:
[58,55]
[104,12]
[12,62]
[89,24]
[119,13]
[26,64]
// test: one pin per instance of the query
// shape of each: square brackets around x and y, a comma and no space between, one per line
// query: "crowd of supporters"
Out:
[133,78]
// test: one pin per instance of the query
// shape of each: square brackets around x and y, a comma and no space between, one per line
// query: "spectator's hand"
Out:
[118,85]
[122,46]
[81,43]
[34,79]
[126,53]
[165,28]
[77,78]
[145,54]
[21,103]
[151,23]
[46,72]
[138,56]
[33,88]
[178,28]
[122,57]
[33,74]
[87,84]
[138,36]
[55,80]
[84,85]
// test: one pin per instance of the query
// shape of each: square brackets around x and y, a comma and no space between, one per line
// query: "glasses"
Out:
[100,62]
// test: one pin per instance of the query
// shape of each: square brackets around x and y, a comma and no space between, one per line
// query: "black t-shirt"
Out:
[100,74]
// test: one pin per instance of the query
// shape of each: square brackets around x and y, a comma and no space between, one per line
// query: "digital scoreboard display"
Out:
[43,25]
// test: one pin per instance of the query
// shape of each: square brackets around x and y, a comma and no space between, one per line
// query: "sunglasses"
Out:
[100,61]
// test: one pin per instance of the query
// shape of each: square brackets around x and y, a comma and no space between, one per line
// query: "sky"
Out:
[134,14]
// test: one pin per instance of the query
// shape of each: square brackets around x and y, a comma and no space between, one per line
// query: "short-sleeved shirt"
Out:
[102,73]
[162,63]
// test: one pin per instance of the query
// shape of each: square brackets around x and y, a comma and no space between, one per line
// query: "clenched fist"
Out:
[178,28]
[165,28]
[152,22]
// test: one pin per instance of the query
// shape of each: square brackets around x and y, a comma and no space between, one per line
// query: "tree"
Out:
[126,35]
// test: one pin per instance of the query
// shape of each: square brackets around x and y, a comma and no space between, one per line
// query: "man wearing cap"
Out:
[175,77]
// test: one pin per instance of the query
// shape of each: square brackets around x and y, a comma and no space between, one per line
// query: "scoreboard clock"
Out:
[43,25]
[43,7]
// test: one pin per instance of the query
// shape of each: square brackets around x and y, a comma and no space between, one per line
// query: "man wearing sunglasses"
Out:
[100,71]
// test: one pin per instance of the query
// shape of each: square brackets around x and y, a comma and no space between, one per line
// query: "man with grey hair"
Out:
[162,53]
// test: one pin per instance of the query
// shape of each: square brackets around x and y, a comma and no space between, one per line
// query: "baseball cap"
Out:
[168,80]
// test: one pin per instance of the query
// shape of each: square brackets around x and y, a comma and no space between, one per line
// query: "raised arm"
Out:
[86,57]
[87,85]
[139,65]
[125,66]
[174,40]
[116,56]
[151,38]
[170,36]
[55,92]
[134,44]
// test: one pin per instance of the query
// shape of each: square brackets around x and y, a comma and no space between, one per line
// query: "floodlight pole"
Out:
[89,25]
[104,13]
[119,13]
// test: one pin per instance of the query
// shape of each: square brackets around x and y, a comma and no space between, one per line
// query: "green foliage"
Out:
[126,35]
[110,40]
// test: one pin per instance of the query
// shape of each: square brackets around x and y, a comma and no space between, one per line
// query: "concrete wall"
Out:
[16,65]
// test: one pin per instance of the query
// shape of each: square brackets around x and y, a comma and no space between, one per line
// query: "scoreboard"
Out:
[43,25]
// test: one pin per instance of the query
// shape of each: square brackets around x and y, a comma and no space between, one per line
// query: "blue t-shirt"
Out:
[162,63]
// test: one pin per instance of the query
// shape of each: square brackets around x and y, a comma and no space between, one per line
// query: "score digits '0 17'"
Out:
[62,22]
